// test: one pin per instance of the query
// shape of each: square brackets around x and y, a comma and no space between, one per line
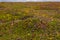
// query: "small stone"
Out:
[33,30]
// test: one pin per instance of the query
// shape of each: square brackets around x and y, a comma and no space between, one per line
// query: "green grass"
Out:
[19,21]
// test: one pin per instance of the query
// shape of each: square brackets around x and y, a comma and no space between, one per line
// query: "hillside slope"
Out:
[30,21]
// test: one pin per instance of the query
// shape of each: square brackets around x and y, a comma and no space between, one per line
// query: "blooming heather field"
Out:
[30,21]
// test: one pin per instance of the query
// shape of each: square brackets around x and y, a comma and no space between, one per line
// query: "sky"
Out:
[29,0]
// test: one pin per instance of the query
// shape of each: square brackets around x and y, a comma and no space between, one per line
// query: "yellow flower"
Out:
[50,38]
[28,34]
[8,14]
[44,15]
